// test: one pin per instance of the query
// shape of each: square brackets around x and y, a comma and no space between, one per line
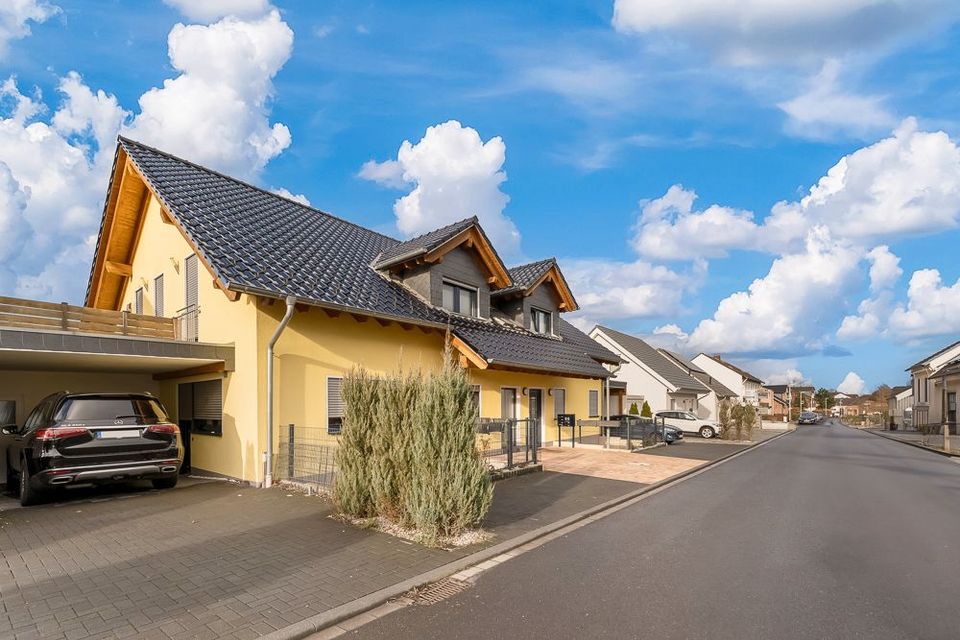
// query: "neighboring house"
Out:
[745,385]
[228,260]
[781,396]
[935,382]
[900,407]
[709,404]
[649,375]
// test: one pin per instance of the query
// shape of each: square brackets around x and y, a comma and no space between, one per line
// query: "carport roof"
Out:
[23,349]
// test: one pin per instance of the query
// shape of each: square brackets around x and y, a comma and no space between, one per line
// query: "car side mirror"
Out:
[8,430]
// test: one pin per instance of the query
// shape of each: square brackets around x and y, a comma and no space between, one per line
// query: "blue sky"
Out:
[646,145]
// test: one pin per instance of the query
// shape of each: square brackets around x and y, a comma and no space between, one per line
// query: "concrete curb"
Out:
[356,607]
[952,454]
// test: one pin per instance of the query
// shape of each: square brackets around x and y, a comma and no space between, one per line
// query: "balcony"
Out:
[50,316]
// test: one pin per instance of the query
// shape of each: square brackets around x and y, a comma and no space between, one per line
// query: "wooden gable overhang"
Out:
[471,238]
[554,277]
[125,208]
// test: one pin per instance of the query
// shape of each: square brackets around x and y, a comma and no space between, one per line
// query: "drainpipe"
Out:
[268,455]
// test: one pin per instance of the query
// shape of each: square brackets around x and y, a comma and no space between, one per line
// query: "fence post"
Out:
[535,440]
[629,434]
[64,308]
[509,428]
[124,315]
[290,449]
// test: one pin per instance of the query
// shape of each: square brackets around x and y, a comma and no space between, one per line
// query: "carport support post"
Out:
[290,448]
[268,454]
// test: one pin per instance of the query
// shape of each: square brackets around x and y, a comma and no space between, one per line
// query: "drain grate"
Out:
[437,592]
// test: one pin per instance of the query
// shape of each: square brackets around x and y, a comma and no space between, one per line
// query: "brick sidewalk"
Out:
[214,560]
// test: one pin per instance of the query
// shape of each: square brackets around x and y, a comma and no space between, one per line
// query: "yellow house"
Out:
[237,265]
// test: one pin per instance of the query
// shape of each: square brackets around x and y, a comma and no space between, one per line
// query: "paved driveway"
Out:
[214,560]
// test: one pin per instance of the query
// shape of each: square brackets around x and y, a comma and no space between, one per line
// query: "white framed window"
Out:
[508,403]
[158,296]
[593,403]
[138,301]
[334,406]
[541,321]
[460,298]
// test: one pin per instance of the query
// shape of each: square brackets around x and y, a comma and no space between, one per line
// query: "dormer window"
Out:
[541,321]
[460,298]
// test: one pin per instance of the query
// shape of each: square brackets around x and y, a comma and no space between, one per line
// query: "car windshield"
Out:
[94,408]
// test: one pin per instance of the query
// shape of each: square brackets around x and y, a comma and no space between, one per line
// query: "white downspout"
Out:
[268,455]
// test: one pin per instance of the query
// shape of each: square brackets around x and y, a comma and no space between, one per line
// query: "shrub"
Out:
[352,489]
[408,452]
[646,412]
[450,488]
[723,417]
[736,421]
[749,421]
[633,410]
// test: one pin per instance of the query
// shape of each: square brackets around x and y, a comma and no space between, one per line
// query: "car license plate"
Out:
[119,433]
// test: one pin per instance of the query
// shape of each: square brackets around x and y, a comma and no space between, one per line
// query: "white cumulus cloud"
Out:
[226,72]
[760,31]
[826,109]
[852,384]
[931,307]
[455,175]
[16,16]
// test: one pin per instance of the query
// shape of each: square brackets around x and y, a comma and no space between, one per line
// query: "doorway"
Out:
[535,406]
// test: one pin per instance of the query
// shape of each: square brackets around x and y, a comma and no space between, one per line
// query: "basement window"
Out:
[201,407]
[8,413]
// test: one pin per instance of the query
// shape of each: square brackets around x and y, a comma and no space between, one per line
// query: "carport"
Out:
[117,353]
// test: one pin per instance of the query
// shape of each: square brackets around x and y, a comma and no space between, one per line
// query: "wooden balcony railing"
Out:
[50,316]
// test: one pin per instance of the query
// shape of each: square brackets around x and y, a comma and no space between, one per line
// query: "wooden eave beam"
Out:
[467,352]
[481,246]
[118,268]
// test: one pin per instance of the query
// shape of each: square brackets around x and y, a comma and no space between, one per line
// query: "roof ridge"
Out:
[126,140]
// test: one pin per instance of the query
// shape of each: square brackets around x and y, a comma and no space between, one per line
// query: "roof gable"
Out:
[527,277]
[659,364]
[746,375]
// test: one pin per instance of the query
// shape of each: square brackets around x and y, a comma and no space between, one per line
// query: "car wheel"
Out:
[707,432]
[165,483]
[28,495]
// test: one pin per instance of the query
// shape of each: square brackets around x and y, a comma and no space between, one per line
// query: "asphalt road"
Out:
[824,533]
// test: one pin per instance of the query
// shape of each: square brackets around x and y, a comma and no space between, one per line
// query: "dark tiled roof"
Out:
[420,245]
[743,374]
[524,275]
[264,244]
[933,355]
[587,344]
[783,388]
[698,374]
[660,364]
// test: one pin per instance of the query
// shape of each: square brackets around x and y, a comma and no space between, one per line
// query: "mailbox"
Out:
[566,420]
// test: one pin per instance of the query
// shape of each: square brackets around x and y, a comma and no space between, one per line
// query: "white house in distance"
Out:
[744,384]
[650,375]
[709,404]
[900,407]
[935,382]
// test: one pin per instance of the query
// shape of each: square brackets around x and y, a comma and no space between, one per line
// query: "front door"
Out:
[536,410]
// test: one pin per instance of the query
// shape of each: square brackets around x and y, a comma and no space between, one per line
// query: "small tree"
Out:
[723,417]
[645,412]
[749,421]
[450,489]
[633,409]
[736,421]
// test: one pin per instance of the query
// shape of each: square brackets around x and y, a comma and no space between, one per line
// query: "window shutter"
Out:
[158,296]
[138,301]
[207,403]
[334,398]
[594,403]
[559,401]
[190,275]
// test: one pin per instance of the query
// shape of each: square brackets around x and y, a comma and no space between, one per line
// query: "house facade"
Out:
[745,385]
[900,407]
[935,383]
[649,375]
[230,262]
[709,404]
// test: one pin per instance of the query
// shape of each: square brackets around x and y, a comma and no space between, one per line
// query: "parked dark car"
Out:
[82,439]
[640,427]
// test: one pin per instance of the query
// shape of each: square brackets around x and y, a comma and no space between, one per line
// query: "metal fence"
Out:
[626,434]
[306,455]
[506,444]
[187,323]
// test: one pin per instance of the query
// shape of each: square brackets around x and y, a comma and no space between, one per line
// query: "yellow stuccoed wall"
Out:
[163,249]
[313,347]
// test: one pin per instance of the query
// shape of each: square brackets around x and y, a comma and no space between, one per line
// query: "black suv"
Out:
[73,439]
